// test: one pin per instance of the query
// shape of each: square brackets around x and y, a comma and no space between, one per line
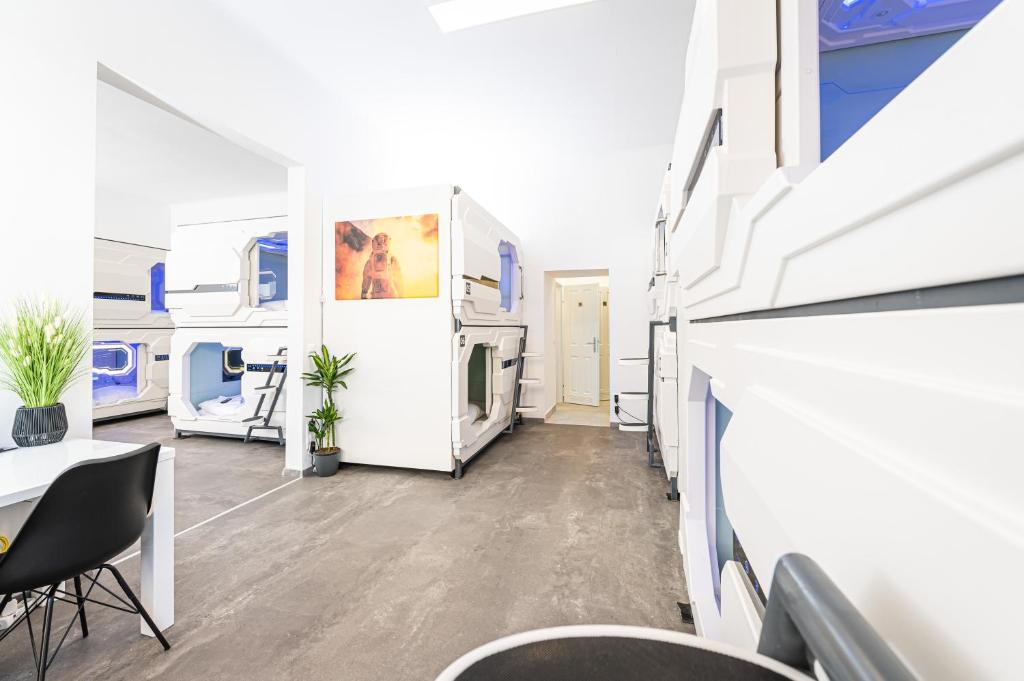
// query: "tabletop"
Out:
[25,473]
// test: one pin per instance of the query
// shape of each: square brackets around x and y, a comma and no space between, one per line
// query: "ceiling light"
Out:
[455,15]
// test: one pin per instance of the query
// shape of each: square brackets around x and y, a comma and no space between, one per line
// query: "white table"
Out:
[26,473]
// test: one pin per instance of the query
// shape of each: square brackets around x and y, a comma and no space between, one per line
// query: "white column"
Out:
[305,243]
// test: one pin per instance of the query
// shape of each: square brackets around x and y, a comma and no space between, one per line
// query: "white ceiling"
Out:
[597,77]
[149,153]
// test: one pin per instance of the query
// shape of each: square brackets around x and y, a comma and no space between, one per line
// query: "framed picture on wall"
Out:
[384,258]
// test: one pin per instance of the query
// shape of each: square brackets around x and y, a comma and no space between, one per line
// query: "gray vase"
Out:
[35,426]
[326,461]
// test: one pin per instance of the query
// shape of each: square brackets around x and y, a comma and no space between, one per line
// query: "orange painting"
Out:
[386,258]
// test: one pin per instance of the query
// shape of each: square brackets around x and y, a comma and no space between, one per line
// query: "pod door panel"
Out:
[129,286]
[483,380]
[229,274]
[129,371]
[487,267]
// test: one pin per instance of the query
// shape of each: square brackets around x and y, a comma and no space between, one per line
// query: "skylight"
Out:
[455,15]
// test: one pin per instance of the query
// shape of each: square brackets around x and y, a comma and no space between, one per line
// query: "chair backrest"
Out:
[89,514]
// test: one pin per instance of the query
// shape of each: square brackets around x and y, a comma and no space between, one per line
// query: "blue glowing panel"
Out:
[157,288]
[848,23]
[273,269]
[509,283]
[858,82]
[115,372]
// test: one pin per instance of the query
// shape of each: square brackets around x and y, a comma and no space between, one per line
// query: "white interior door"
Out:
[581,317]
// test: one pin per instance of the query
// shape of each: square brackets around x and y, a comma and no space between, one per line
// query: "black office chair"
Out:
[92,512]
[808,623]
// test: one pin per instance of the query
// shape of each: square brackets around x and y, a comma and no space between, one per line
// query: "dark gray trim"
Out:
[219,222]
[207,288]
[129,243]
[712,138]
[999,291]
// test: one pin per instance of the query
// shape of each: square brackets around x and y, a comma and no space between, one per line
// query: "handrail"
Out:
[809,619]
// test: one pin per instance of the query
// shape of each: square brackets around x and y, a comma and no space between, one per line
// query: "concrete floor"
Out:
[580,415]
[389,574]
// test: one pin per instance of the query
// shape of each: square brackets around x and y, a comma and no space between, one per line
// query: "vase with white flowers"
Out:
[42,344]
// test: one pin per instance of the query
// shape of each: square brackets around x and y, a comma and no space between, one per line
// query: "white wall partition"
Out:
[401,385]
[48,131]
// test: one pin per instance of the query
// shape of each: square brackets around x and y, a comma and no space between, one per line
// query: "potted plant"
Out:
[328,374]
[41,347]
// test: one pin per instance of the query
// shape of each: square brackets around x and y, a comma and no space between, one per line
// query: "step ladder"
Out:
[647,361]
[519,409]
[278,368]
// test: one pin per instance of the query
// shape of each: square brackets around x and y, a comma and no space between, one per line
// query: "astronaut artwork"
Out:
[382,276]
[386,258]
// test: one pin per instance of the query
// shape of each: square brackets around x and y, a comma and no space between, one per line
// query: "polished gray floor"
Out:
[390,574]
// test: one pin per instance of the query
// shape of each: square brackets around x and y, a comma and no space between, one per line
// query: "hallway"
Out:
[580,415]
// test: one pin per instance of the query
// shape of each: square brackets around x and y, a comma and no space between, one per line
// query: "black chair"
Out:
[92,512]
[808,623]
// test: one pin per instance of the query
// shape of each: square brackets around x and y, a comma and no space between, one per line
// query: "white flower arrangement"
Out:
[41,347]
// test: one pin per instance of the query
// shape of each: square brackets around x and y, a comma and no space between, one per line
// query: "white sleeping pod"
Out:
[131,330]
[436,375]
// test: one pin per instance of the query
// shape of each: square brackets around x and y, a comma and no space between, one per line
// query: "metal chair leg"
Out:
[45,638]
[81,606]
[138,606]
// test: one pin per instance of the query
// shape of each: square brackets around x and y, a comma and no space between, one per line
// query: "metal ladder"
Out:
[279,367]
[519,409]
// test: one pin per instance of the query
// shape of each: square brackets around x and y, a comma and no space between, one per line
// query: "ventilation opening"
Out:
[510,284]
[215,381]
[270,263]
[115,372]
[479,382]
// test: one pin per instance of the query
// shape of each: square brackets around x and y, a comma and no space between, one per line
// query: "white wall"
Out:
[132,219]
[228,208]
[185,53]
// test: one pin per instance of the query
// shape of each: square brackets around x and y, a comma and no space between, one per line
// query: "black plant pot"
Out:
[34,426]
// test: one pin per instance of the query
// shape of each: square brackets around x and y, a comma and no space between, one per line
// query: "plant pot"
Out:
[34,426]
[326,461]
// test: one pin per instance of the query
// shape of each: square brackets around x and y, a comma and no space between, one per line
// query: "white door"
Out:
[581,317]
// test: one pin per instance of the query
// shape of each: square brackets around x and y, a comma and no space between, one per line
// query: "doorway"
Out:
[164,182]
[581,325]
